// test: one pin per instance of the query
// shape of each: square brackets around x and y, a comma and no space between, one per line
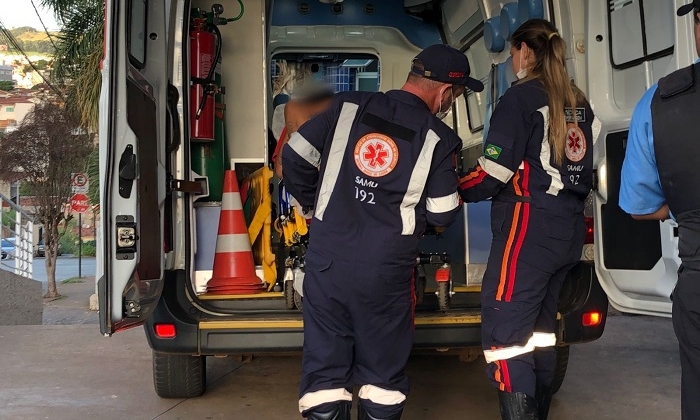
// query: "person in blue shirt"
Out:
[659,181]
[376,169]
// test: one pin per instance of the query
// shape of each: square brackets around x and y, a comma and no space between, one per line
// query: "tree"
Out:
[43,152]
[7,85]
[78,55]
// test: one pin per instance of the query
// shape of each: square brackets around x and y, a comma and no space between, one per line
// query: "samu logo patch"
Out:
[376,155]
[492,151]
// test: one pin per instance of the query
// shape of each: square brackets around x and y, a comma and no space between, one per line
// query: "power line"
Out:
[42,24]
[14,44]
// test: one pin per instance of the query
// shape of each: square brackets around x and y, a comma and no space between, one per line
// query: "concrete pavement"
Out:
[71,372]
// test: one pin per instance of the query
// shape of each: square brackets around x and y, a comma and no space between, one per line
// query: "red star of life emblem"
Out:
[575,144]
[375,155]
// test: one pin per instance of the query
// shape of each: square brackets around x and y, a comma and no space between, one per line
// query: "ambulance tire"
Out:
[560,369]
[443,294]
[179,375]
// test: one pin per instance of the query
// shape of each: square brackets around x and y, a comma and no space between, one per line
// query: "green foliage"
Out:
[69,241]
[93,173]
[89,249]
[7,85]
[42,64]
[25,189]
[9,218]
[31,40]
[78,56]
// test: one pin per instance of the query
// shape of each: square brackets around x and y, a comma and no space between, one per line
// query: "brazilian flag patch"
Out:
[492,151]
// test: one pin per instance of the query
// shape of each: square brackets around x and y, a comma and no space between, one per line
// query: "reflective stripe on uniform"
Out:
[380,395]
[442,204]
[416,184]
[546,155]
[316,398]
[537,340]
[335,157]
[305,149]
[496,170]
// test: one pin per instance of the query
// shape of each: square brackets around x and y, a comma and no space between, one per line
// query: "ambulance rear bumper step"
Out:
[256,335]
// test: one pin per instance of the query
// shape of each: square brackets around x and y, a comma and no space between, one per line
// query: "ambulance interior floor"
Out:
[71,372]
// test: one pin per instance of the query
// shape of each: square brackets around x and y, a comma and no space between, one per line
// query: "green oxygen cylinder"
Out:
[209,159]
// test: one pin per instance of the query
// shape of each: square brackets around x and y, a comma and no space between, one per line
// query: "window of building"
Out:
[10,109]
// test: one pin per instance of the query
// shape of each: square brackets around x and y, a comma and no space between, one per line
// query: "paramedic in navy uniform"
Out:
[376,168]
[537,168]
[660,177]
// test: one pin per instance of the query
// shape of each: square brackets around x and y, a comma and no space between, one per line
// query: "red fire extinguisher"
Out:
[205,50]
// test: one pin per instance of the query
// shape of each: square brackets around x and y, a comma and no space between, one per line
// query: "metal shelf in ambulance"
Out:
[160,196]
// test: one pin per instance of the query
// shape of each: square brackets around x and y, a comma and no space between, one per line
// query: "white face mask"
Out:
[442,114]
[523,72]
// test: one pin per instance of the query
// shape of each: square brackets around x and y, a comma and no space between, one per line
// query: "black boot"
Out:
[362,414]
[544,399]
[339,411]
[517,406]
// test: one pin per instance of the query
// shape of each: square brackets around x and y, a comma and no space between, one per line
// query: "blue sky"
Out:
[21,13]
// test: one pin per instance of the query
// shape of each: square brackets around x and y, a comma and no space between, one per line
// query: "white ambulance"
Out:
[190,89]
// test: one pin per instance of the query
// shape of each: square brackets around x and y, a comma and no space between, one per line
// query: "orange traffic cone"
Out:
[234,268]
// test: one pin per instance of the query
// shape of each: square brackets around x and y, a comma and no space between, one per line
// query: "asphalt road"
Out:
[66,267]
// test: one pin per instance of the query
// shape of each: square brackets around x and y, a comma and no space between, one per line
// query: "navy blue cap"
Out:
[684,10]
[445,64]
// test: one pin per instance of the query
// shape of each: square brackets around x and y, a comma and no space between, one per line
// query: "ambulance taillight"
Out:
[165,330]
[592,319]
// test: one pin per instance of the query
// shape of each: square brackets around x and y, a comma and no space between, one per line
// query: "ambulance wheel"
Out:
[289,294]
[443,294]
[420,290]
[560,370]
[297,301]
[179,375]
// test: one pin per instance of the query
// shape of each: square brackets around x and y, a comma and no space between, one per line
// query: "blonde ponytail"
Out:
[550,67]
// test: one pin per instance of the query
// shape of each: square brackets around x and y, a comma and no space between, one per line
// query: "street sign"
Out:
[79,182]
[79,203]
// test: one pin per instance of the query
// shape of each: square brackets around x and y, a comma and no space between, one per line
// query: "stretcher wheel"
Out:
[420,289]
[289,294]
[443,295]
[297,300]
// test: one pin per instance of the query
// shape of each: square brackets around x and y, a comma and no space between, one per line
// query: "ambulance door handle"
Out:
[127,171]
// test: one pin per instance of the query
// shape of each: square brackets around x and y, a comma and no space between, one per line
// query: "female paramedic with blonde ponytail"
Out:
[537,169]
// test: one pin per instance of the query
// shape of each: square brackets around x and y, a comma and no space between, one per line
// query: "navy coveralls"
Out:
[376,169]
[538,231]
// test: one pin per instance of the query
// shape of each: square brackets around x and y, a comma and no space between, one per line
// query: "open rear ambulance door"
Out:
[132,159]
[636,261]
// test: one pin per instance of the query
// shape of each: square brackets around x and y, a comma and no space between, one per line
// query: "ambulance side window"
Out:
[638,32]
[136,32]
[480,64]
